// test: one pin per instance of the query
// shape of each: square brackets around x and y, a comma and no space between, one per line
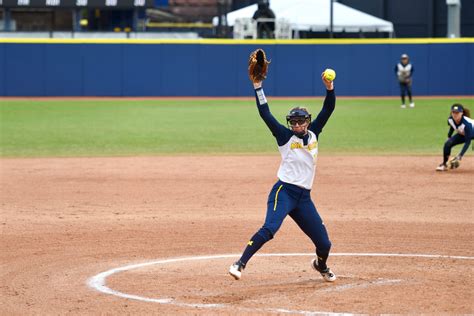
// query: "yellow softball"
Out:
[329,74]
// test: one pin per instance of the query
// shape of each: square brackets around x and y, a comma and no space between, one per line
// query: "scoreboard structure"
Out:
[75,15]
[111,4]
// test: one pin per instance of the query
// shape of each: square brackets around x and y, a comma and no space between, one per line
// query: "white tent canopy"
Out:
[314,15]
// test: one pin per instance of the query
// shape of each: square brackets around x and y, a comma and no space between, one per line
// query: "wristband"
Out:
[261,96]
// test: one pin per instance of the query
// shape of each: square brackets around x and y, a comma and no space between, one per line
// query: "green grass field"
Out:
[124,127]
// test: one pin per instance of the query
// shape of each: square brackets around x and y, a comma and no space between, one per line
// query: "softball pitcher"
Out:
[298,146]
[460,122]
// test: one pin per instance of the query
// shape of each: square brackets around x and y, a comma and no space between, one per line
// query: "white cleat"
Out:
[403,106]
[442,167]
[235,270]
[412,105]
[327,274]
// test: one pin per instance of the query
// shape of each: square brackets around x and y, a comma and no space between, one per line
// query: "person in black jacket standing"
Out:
[265,29]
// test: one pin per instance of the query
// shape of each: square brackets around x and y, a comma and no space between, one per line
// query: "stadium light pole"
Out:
[454,18]
[223,9]
[7,19]
[331,18]
[76,20]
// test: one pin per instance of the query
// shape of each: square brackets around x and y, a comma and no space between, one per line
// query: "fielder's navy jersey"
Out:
[465,128]
[299,154]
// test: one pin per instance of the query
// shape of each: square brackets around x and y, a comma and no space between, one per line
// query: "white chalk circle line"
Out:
[98,282]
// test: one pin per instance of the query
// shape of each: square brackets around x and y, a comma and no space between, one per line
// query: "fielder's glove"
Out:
[454,163]
[258,66]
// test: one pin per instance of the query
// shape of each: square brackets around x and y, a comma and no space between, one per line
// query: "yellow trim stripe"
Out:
[237,42]
[276,197]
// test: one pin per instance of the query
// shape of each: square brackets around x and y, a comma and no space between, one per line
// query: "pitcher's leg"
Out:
[255,243]
[280,203]
[308,219]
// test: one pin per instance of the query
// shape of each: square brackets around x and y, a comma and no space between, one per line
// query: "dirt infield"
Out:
[64,221]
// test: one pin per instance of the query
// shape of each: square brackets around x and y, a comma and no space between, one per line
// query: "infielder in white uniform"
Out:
[298,146]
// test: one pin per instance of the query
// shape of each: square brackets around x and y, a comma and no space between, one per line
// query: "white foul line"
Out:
[98,282]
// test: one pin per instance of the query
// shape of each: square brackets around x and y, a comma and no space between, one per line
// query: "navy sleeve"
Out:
[323,116]
[396,69]
[412,70]
[451,131]
[279,131]
[468,134]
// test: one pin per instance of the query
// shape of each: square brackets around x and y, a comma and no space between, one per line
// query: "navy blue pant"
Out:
[450,143]
[405,89]
[288,199]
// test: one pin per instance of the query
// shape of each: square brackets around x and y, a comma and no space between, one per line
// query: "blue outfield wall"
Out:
[209,69]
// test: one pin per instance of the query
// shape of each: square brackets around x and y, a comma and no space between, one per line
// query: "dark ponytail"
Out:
[467,112]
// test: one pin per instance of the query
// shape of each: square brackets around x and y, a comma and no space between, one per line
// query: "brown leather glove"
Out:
[258,66]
